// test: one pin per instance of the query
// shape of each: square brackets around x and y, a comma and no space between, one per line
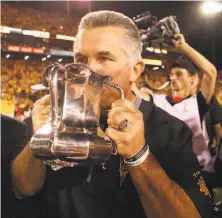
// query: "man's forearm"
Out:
[199,60]
[160,196]
[28,174]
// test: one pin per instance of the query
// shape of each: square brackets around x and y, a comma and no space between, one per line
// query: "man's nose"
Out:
[95,66]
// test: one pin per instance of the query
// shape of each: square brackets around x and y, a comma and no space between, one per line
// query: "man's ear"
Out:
[137,70]
[194,80]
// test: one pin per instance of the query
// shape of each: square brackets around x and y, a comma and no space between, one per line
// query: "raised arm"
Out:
[207,68]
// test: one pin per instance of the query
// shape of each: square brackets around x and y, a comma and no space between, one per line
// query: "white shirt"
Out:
[188,111]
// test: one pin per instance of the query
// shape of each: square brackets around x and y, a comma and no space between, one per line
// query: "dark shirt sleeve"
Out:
[14,139]
[11,206]
[28,122]
[13,132]
[170,141]
[215,112]
[202,105]
[213,117]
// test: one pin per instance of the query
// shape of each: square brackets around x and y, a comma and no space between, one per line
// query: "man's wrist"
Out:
[139,158]
[185,48]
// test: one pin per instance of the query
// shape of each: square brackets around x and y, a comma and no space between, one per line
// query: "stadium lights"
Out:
[35,33]
[4,29]
[155,68]
[26,57]
[27,32]
[212,7]
[152,62]
[8,56]
[157,50]
[64,37]
[43,59]
[48,56]
[41,34]
[60,60]
[15,30]
[164,51]
[151,49]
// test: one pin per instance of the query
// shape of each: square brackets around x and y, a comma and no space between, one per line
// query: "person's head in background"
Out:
[21,97]
[184,78]
[38,91]
[109,43]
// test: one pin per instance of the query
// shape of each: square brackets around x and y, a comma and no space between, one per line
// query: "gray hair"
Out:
[133,45]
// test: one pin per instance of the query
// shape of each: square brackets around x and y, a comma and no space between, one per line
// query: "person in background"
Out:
[183,103]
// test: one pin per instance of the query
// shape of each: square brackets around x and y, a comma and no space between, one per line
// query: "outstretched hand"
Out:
[178,42]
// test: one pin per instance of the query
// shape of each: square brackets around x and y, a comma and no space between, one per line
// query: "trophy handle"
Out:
[116,86]
[57,91]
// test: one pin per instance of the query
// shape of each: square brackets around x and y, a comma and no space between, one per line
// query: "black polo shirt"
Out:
[81,192]
[213,117]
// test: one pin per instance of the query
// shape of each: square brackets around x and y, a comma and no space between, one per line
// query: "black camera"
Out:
[154,33]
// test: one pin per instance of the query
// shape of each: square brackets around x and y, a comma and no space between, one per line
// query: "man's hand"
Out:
[40,113]
[179,44]
[130,140]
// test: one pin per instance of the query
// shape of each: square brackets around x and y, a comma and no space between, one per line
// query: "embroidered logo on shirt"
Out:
[202,184]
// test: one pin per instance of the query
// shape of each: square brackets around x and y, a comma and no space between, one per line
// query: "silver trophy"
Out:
[72,134]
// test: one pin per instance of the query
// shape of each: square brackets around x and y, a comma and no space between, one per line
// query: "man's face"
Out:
[101,50]
[180,79]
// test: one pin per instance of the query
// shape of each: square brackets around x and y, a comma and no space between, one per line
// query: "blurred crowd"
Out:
[17,77]
[38,20]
